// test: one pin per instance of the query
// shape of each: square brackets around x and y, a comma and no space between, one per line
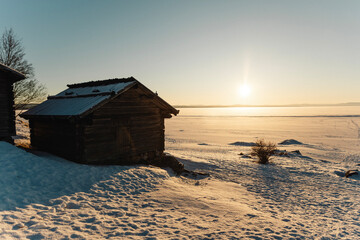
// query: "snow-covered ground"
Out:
[302,196]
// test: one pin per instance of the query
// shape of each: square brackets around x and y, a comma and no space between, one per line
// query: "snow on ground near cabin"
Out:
[298,197]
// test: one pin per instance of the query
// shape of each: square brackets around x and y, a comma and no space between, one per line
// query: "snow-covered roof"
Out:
[17,76]
[113,86]
[80,98]
[66,106]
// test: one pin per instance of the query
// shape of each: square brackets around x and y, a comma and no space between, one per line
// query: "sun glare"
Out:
[244,91]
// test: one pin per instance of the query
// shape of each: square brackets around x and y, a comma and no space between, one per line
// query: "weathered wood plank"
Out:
[7,114]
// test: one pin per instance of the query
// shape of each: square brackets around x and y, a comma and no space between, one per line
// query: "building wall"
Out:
[59,137]
[125,130]
[7,119]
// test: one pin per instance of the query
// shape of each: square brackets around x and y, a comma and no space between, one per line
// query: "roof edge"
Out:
[82,96]
[18,75]
[101,82]
[163,102]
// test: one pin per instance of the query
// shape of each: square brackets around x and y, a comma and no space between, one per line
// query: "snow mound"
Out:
[203,144]
[30,179]
[290,142]
[243,144]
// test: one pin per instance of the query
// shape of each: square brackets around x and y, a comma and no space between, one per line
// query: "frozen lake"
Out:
[344,111]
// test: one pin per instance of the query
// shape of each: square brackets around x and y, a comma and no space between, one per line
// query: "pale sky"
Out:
[197,52]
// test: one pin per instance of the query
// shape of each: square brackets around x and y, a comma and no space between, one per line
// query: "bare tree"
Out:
[12,54]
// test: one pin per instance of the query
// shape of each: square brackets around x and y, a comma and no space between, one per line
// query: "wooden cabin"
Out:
[116,121]
[8,77]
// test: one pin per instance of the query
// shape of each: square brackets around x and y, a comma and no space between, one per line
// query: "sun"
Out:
[244,91]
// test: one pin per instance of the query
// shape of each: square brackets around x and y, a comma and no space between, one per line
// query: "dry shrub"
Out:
[263,150]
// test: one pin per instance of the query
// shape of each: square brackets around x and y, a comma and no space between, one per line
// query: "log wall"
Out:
[59,137]
[7,114]
[125,130]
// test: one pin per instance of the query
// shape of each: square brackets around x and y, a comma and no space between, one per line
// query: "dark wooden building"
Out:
[8,77]
[116,121]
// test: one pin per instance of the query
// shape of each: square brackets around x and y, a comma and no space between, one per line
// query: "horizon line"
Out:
[272,105]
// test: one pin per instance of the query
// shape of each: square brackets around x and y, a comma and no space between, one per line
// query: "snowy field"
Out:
[300,196]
